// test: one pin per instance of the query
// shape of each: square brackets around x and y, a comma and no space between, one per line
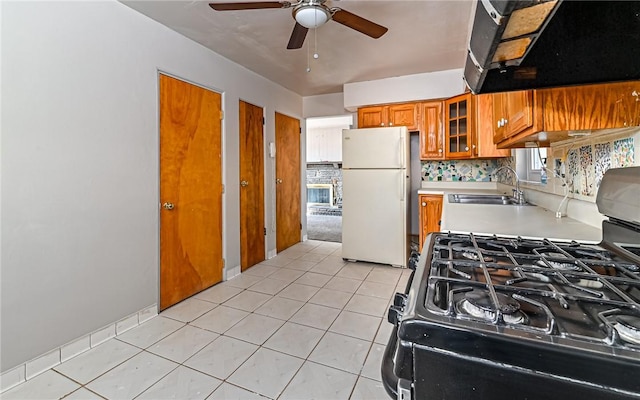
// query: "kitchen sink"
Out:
[499,199]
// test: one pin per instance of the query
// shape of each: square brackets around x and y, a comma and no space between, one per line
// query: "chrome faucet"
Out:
[518,194]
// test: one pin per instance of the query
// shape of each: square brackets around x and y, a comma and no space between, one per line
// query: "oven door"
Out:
[397,360]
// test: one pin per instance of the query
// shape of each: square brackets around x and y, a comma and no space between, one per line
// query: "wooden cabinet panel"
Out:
[372,117]
[430,207]
[484,129]
[589,107]
[459,126]
[432,132]
[513,113]
[404,115]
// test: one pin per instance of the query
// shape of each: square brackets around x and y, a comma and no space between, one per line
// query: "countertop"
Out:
[526,221]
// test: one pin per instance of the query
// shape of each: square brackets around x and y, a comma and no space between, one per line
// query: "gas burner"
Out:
[471,254]
[479,305]
[628,327]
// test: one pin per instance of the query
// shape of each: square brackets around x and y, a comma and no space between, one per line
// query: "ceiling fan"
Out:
[309,14]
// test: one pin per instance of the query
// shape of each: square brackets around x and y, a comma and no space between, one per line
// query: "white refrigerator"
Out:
[375,195]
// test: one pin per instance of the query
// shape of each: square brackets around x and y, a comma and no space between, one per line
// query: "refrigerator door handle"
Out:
[402,151]
[404,182]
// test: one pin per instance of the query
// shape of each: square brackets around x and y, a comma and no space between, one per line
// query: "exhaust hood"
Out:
[517,45]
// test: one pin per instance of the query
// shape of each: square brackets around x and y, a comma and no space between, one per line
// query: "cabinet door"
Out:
[404,115]
[519,111]
[499,113]
[459,126]
[485,129]
[372,117]
[430,215]
[432,132]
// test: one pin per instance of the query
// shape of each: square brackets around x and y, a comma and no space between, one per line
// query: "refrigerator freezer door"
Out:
[378,148]
[374,216]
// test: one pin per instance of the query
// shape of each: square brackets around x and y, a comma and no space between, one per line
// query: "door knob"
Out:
[244,183]
[167,206]
[278,181]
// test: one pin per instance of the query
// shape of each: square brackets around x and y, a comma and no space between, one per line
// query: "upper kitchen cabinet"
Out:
[459,127]
[406,114]
[545,116]
[514,113]
[324,145]
[590,107]
[468,128]
[432,132]
[484,129]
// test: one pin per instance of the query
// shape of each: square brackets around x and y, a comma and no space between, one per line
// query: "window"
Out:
[530,164]
[536,162]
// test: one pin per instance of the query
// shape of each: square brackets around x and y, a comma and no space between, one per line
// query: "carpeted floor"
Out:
[327,228]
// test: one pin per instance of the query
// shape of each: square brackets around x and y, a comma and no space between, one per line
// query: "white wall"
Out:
[432,85]
[323,105]
[80,163]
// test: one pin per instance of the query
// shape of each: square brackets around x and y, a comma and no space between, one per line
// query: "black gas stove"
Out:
[495,317]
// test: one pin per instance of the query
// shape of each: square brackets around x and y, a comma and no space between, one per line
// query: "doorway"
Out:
[252,225]
[190,190]
[288,216]
[324,177]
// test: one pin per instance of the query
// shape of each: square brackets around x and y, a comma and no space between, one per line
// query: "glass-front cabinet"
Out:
[459,127]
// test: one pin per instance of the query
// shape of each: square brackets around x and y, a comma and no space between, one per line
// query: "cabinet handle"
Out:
[466,148]
[506,121]
[424,204]
[439,150]
[390,123]
[382,124]
[498,123]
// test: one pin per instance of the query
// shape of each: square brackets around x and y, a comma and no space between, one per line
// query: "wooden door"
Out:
[252,227]
[404,115]
[190,190]
[288,217]
[432,133]
[372,117]
[430,215]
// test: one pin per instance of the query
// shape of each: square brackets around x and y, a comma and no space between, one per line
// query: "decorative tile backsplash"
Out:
[587,164]
[582,162]
[459,171]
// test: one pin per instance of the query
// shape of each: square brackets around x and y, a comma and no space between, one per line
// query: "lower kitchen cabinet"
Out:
[430,206]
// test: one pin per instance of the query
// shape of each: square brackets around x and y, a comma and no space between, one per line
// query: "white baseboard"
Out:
[50,359]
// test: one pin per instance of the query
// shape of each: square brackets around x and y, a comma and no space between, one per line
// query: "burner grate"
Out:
[562,288]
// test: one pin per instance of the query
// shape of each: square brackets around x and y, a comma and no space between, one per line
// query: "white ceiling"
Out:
[423,36]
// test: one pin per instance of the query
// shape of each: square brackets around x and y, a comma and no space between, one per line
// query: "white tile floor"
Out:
[302,325]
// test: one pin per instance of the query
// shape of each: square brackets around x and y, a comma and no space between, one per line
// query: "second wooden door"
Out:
[288,215]
[252,228]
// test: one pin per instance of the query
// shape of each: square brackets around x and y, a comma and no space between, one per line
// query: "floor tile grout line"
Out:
[215,305]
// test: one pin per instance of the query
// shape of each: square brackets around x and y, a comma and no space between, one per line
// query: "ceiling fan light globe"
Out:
[311,16]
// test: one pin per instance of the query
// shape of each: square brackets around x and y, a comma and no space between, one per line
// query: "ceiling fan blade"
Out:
[358,23]
[297,36]
[251,5]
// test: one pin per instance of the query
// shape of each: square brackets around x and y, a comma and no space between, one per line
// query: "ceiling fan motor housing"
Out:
[311,14]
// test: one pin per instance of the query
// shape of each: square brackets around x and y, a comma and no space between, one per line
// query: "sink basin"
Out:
[499,199]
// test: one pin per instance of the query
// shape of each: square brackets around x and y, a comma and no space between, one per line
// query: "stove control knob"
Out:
[394,315]
[400,300]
